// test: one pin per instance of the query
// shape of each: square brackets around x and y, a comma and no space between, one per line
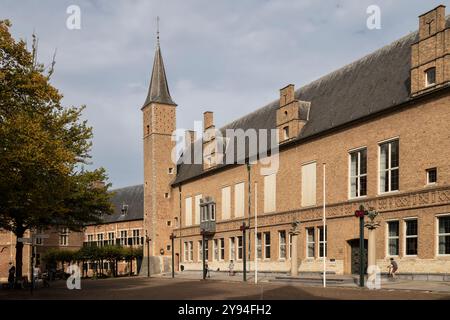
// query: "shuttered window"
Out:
[226,203]
[239,204]
[188,212]
[197,208]
[309,184]
[270,184]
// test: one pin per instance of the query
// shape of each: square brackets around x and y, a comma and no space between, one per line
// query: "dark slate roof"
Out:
[158,90]
[133,197]
[373,84]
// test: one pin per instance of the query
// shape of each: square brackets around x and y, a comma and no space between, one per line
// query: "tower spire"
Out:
[159,88]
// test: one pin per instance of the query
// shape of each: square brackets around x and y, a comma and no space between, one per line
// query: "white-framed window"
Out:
[239,203]
[186,251]
[64,237]
[216,249]
[309,184]
[232,249]
[38,240]
[136,237]
[432,176]
[393,238]
[240,247]
[259,245]
[282,244]
[100,239]
[266,245]
[389,166]
[226,203]
[411,237]
[290,245]
[310,243]
[90,238]
[358,173]
[188,211]
[430,77]
[444,235]
[322,242]
[270,187]
[200,250]
[191,250]
[197,208]
[111,238]
[222,249]
[123,237]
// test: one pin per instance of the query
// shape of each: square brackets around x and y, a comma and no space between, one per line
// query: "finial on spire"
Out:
[157,31]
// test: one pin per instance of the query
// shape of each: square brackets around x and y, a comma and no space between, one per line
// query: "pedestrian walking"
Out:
[11,275]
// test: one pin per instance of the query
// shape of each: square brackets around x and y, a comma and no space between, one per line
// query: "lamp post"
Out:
[172,237]
[203,253]
[294,232]
[243,228]
[360,214]
[148,240]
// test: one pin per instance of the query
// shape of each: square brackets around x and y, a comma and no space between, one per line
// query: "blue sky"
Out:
[229,57]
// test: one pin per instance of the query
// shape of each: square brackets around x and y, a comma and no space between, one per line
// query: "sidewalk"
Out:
[348,281]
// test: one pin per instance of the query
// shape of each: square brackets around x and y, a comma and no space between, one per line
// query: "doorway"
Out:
[354,255]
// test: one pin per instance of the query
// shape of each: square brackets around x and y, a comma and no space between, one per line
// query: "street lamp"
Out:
[172,237]
[148,240]
[243,228]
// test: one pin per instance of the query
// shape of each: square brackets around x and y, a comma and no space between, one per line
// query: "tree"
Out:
[44,148]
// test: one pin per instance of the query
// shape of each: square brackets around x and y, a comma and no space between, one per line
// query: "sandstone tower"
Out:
[159,121]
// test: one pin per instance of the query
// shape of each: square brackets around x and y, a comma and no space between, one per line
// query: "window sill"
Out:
[388,193]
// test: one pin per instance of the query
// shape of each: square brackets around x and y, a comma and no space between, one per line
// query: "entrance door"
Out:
[354,244]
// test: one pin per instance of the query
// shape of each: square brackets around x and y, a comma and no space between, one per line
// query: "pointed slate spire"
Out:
[159,89]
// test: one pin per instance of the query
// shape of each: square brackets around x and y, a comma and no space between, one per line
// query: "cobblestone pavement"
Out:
[180,289]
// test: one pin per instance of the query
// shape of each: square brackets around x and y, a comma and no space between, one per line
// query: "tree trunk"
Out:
[19,254]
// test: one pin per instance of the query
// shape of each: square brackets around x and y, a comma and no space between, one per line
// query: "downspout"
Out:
[179,227]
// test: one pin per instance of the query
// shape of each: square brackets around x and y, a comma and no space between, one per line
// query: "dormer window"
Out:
[124,209]
[430,77]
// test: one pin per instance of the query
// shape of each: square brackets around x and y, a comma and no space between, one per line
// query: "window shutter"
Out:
[188,211]
[270,183]
[197,208]
[226,203]
[239,204]
[309,184]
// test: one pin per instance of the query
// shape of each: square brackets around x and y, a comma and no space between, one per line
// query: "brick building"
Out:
[381,127]
[123,227]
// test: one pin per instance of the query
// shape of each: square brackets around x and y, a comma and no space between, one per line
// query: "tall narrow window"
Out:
[309,184]
[358,173]
[322,242]
[282,244]
[411,236]
[216,249]
[266,245]
[100,239]
[64,237]
[191,250]
[259,245]
[310,243]
[111,239]
[431,176]
[200,250]
[430,77]
[123,237]
[285,133]
[186,251]
[290,246]
[444,235]
[240,248]
[136,237]
[222,249]
[389,166]
[393,238]
[270,183]
[232,249]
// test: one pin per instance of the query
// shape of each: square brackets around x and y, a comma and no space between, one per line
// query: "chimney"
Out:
[208,120]
[189,137]
[209,141]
